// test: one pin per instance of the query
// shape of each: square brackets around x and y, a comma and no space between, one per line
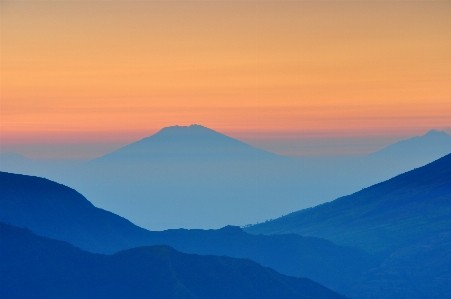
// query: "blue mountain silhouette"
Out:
[56,211]
[194,177]
[385,215]
[192,143]
[37,267]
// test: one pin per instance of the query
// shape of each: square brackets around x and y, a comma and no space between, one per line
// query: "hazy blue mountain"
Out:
[333,266]
[192,143]
[190,177]
[404,155]
[419,268]
[406,219]
[56,211]
[194,177]
[346,174]
[37,267]
[420,149]
[387,215]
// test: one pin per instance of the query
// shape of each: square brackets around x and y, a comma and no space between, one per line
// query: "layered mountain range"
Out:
[405,220]
[37,267]
[53,210]
[194,177]
[392,238]
[406,208]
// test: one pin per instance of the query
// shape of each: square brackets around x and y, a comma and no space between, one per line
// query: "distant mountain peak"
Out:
[185,128]
[436,133]
[187,138]
[191,143]
[193,129]
[426,148]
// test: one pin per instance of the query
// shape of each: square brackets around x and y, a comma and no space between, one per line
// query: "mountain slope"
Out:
[419,268]
[420,149]
[346,174]
[194,177]
[56,211]
[389,214]
[191,143]
[36,267]
[403,156]
[191,177]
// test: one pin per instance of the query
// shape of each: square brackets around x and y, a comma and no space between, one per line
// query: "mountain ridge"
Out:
[38,267]
[36,203]
[214,185]
[182,142]
[434,143]
[401,197]
[56,211]
[412,264]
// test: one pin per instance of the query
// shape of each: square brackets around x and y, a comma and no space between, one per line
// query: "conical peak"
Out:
[185,129]
[435,133]
[194,142]
[190,127]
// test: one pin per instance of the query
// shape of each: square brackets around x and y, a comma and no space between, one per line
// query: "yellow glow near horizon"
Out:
[80,71]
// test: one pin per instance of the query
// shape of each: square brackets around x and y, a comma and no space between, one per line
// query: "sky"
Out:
[81,78]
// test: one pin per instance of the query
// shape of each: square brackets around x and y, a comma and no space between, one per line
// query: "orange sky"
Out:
[101,71]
